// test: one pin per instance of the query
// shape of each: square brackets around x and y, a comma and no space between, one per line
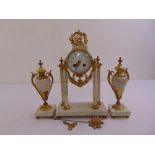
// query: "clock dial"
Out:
[79,61]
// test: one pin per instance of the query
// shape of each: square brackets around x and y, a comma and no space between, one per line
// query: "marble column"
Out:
[96,88]
[64,88]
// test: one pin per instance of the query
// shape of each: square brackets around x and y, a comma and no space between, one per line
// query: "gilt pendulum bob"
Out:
[118,81]
[79,68]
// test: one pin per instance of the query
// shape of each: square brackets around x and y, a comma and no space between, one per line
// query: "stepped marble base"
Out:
[119,113]
[45,114]
[81,109]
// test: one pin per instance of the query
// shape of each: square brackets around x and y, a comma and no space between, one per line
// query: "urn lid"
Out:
[41,70]
[120,70]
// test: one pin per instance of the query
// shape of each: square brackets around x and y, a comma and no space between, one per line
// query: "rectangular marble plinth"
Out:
[45,114]
[119,113]
[81,109]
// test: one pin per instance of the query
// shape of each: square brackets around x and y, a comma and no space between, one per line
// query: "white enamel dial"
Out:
[79,61]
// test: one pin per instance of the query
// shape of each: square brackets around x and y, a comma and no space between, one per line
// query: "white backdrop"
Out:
[24,42]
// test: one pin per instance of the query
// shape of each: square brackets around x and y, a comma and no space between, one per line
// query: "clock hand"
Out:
[78,63]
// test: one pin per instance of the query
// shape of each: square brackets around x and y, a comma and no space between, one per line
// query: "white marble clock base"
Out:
[45,114]
[119,113]
[81,109]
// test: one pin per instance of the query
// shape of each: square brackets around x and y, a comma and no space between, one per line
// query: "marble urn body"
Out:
[43,87]
[118,84]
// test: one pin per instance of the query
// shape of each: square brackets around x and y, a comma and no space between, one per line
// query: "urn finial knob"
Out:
[120,70]
[41,70]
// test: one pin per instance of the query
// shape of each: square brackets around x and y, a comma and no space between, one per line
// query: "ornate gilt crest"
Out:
[78,39]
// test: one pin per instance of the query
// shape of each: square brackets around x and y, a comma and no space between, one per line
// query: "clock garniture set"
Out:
[79,68]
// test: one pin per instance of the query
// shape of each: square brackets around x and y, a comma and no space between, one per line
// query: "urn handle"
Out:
[49,74]
[34,75]
[127,73]
[110,73]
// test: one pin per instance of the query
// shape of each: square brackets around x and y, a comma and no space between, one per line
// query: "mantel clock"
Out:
[79,68]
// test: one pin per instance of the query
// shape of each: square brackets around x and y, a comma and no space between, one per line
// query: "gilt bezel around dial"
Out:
[89,58]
